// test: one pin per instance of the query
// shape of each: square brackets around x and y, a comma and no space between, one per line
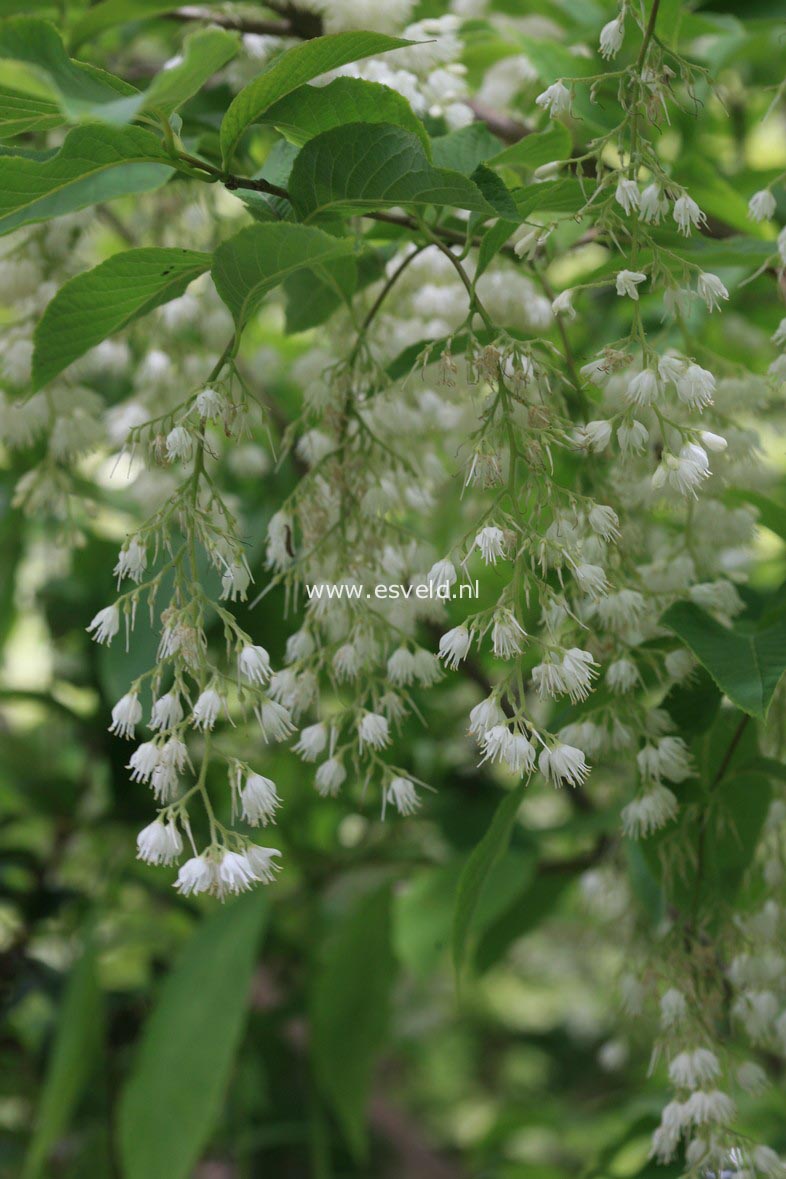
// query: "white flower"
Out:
[254,663]
[548,680]
[527,240]
[628,281]
[711,290]
[622,675]
[778,337]
[401,667]
[563,763]
[578,671]
[782,245]
[768,1162]
[179,444]
[346,662]
[235,874]
[313,740]
[684,472]
[595,435]
[714,442]
[159,843]
[373,731]
[519,754]
[491,542]
[441,575]
[196,875]
[591,579]
[761,206]
[261,862]
[644,388]
[679,663]
[703,1108]
[666,1138]
[274,721]
[604,521]
[654,203]
[330,777]
[611,37]
[669,759]
[673,1008]
[597,371]
[235,581]
[454,645]
[427,669]
[649,812]
[209,404]
[131,562]
[259,800]
[485,716]
[167,712]
[691,1070]
[670,368]
[206,709]
[627,195]
[402,794]
[105,625]
[563,305]
[143,761]
[506,635]
[687,214]
[696,386]
[126,715]
[632,437]
[555,99]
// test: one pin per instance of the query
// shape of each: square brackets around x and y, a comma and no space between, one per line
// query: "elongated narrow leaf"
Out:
[94,164]
[257,259]
[74,1052]
[477,869]
[310,110]
[533,151]
[21,114]
[173,1096]
[745,664]
[106,299]
[350,1010]
[292,69]
[361,167]
[79,89]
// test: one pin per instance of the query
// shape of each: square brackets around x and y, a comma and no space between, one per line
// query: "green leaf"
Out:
[79,89]
[477,869]
[533,151]
[694,703]
[203,53]
[104,300]
[292,69]
[310,110]
[558,196]
[464,150]
[746,664]
[174,1093]
[257,259]
[94,164]
[717,197]
[350,1011]
[115,12]
[496,193]
[75,1049]
[23,114]
[360,167]
[492,242]
[311,300]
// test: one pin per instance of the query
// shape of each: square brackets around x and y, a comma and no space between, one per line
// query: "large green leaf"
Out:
[360,167]
[23,114]
[257,259]
[74,1052]
[79,89]
[350,1010]
[174,1093]
[310,110]
[106,299]
[478,868]
[203,53]
[746,664]
[464,150]
[94,164]
[311,299]
[292,69]
[537,149]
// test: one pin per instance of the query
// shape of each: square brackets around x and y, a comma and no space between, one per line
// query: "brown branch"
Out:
[240,24]
[505,128]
